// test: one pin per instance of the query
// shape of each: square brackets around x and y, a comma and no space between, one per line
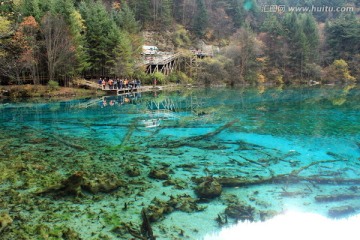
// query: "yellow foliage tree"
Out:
[339,71]
[5,30]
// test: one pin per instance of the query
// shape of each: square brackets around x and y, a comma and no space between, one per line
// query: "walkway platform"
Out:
[130,90]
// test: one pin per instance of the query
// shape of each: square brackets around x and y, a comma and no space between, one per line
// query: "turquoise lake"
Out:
[90,168]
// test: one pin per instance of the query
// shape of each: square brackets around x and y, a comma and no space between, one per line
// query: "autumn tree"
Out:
[9,64]
[29,48]
[213,71]
[244,50]
[5,33]
[338,71]
[60,52]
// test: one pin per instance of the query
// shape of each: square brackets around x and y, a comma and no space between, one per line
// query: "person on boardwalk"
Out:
[100,82]
[111,83]
[103,84]
[155,82]
[115,84]
[118,83]
[121,83]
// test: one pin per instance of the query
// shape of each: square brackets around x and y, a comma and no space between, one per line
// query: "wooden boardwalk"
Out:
[130,90]
[167,62]
[164,62]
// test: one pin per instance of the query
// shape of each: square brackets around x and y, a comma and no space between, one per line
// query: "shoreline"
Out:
[92,89]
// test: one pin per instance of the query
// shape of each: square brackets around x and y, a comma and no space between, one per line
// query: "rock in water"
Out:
[210,188]
[342,211]
[240,212]
[159,174]
[103,183]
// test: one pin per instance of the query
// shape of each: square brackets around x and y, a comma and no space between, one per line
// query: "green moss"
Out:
[63,216]
[120,148]
[91,215]
[112,219]
[128,148]
[57,231]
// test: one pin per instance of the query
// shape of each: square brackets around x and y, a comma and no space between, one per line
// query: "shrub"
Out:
[160,77]
[53,85]
[179,77]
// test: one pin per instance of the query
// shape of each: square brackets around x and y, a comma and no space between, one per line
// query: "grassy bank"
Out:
[16,92]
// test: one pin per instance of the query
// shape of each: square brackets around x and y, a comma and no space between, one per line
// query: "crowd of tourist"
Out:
[117,83]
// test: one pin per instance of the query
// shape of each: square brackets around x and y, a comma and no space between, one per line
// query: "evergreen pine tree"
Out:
[125,19]
[166,13]
[312,37]
[274,41]
[343,37]
[31,8]
[141,9]
[102,36]
[123,64]
[201,18]
[236,10]
[298,45]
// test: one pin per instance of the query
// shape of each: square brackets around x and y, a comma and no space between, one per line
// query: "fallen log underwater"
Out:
[292,177]
[188,141]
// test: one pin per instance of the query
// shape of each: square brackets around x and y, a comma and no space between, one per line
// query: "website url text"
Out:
[283,8]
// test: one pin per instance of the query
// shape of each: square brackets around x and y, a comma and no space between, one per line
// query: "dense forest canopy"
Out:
[254,41]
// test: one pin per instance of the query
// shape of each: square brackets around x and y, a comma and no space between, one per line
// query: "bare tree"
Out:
[60,52]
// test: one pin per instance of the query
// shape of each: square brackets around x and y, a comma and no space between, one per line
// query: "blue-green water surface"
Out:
[271,149]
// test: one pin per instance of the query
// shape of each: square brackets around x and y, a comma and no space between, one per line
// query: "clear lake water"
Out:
[271,149]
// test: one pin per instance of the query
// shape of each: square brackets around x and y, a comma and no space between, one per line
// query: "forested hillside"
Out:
[254,41]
